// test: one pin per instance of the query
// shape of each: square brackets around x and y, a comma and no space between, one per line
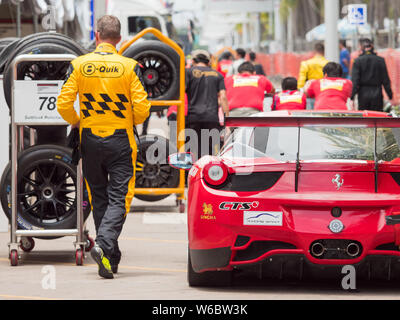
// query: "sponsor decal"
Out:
[198,73]
[338,181]
[101,69]
[262,218]
[336,226]
[245,81]
[291,98]
[238,205]
[207,212]
[332,84]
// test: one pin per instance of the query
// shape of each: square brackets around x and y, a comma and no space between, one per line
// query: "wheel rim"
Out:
[149,175]
[42,70]
[47,192]
[157,74]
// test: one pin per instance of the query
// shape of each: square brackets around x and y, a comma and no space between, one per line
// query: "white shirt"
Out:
[233,69]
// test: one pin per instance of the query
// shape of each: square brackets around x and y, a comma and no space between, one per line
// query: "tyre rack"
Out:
[17,145]
[180,126]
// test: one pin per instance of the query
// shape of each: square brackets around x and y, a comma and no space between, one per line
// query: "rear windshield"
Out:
[314,143]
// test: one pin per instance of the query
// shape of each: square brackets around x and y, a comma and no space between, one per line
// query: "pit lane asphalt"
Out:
[154,247]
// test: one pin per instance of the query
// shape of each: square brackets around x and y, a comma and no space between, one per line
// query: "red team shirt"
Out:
[290,100]
[247,90]
[330,93]
[223,66]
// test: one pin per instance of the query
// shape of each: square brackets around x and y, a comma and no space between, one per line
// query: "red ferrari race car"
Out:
[297,193]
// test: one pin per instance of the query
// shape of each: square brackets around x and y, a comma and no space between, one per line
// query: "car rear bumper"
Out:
[225,258]
[219,238]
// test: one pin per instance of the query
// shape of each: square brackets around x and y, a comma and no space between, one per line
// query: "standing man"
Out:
[259,68]
[225,63]
[311,69]
[344,58]
[205,89]
[112,101]
[246,91]
[369,74]
[240,55]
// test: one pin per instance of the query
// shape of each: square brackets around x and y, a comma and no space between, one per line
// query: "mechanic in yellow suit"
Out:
[112,100]
[312,68]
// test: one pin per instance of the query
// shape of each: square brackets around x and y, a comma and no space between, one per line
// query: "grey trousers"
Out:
[108,169]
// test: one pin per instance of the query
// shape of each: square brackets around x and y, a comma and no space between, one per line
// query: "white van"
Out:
[136,15]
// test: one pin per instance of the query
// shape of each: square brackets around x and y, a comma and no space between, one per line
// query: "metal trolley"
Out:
[180,126]
[22,114]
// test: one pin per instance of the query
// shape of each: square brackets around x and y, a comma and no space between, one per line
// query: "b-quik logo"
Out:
[100,69]
[89,69]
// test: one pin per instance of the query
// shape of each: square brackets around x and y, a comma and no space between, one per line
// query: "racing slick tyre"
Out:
[4,42]
[208,278]
[160,68]
[41,43]
[46,192]
[7,45]
[154,173]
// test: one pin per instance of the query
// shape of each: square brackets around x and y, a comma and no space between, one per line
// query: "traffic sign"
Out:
[357,14]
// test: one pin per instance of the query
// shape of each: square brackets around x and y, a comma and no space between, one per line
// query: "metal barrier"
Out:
[180,190]
[22,114]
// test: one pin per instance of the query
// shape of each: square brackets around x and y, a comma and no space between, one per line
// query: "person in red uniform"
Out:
[225,63]
[290,98]
[331,92]
[246,91]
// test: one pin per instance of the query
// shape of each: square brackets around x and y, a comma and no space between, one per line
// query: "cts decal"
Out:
[238,205]
[207,212]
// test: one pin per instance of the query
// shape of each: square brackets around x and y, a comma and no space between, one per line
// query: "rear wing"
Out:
[294,121]
[349,120]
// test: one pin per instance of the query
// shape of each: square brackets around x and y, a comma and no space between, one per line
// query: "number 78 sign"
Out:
[357,14]
[36,102]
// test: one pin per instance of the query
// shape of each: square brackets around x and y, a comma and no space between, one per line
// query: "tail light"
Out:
[215,173]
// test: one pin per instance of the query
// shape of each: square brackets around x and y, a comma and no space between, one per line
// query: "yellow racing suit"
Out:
[112,100]
[311,69]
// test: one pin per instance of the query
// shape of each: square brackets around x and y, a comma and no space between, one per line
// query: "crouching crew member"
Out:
[246,91]
[331,92]
[290,98]
[112,100]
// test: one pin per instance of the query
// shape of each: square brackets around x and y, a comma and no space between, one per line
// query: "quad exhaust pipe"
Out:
[353,249]
[318,249]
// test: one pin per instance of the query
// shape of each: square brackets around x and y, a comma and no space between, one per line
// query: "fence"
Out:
[288,65]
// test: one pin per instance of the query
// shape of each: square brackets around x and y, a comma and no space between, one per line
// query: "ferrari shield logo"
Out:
[338,181]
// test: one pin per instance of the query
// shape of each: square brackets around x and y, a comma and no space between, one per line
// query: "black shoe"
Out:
[114,268]
[104,264]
